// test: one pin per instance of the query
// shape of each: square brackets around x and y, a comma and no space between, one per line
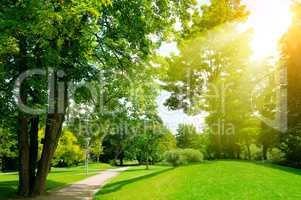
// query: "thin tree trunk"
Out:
[147,161]
[2,164]
[121,157]
[116,157]
[249,152]
[264,152]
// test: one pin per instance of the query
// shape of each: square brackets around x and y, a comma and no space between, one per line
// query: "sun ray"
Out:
[269,19]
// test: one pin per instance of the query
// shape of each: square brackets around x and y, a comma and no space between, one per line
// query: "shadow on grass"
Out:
[270,165]
[140,170]
[281,168]
[113,187]
[8,189]
[63,171]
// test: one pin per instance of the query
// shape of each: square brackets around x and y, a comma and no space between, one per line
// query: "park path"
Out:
[83,190]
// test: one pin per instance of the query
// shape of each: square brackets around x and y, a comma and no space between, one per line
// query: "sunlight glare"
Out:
[269,19]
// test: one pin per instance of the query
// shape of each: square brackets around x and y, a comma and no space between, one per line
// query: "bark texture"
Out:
[53,130]
[24,177]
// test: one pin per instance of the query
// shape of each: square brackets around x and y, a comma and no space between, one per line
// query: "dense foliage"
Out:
[69,152]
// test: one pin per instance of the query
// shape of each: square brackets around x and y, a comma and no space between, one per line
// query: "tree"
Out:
[216,13]
[115,143]
[167,141]
[147,141]
[187,137]
[268,138]
[97,148]
[69,152]
[43,46]
[213,73]
[290,54]
[248,137]
[291,46]
[218,83]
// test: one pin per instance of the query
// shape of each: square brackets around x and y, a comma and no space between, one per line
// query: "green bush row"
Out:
[183,156]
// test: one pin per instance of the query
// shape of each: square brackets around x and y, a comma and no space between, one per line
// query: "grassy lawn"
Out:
[58,177]
[218,180]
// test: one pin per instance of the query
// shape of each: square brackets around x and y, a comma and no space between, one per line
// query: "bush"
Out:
[276,155]
[183,156]
[174,157]
[291,145]
[192,155]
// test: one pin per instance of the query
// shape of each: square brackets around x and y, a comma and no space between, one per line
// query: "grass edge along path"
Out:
[58,178]
[83,190]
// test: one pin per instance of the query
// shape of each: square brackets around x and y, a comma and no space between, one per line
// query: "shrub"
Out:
[276,155]
[174,157]
[192,155]
[183,156]
[291,145]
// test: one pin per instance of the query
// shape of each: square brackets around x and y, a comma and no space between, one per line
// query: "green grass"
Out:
[218,180]
[59,177]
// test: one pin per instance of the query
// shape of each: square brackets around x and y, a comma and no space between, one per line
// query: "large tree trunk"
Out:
[52,135]
[24,176]
[23,139]
[53,130]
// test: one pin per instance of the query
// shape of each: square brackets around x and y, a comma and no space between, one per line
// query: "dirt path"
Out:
[83,190]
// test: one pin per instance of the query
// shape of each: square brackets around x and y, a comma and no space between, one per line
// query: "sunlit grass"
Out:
[218,180]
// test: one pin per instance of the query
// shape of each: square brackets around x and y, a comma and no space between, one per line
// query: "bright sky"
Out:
[172,119]
[269,20]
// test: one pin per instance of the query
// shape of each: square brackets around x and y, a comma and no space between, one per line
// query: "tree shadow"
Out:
[60,172]
[113,187]
[270,165]
[281,168]
[8,189]
[137,170]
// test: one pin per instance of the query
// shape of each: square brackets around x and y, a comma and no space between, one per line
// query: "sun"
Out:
[269,19]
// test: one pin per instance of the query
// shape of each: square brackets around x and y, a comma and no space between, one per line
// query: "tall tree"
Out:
[213,73]
[291,46]
[187,137]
